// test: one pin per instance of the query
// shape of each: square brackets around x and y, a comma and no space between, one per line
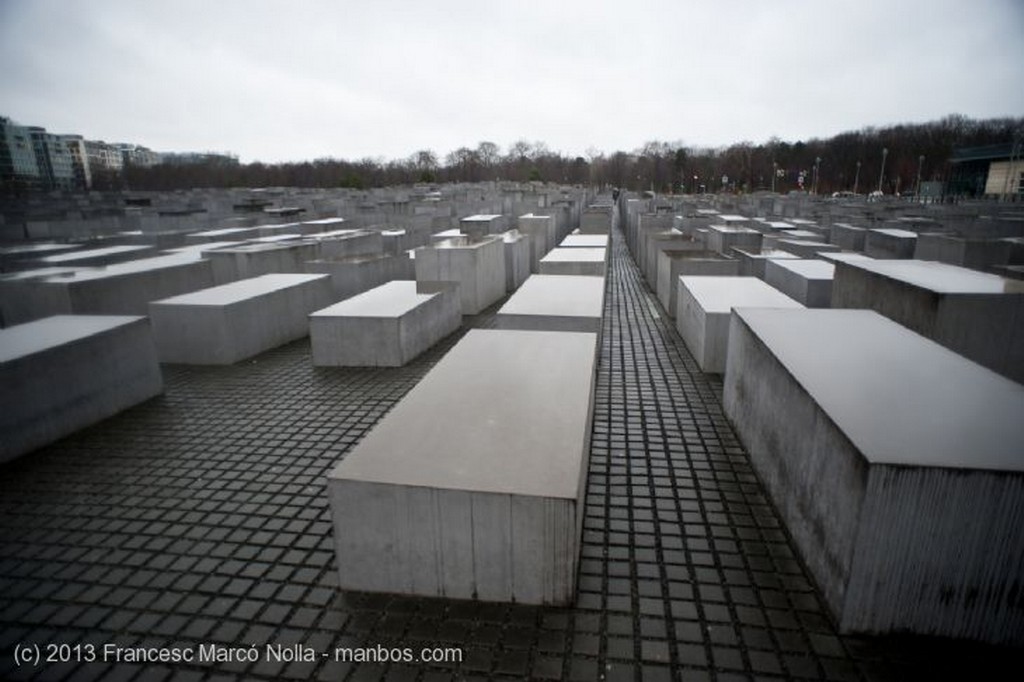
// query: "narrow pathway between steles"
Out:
[686,563]
[683,556]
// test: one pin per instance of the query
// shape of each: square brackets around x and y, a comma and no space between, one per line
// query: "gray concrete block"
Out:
[226,233]
[898,492]
[752,261]
[800,235]
[472,487]
[587,241]
[292,229]
[478,267]
[848,237]
[517,259]
[397,242]
[252,260]
[978,254]
[574,261]
[386,326]
[724,238]
[63,373]
[653,243]
[891,243]
[21,256]
[347,244]
[353,275]
[444,235]
[703,307]
[806,281]
[674,264]
[805,248]
[231,322]
[119,289]
[572,303]
[483,224]
[541,231]
[107,255]
[596,219]
[978,315]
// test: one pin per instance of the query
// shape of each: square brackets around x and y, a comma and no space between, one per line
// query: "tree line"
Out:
[850,161]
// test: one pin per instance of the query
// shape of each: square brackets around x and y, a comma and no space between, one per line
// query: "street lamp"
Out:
[856,178]
[881,172]
[817,163]
[920,163]
[775,172]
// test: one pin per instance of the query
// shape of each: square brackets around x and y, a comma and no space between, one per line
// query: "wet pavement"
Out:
[200,519]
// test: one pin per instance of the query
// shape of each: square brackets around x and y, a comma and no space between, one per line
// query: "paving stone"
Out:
[202,515]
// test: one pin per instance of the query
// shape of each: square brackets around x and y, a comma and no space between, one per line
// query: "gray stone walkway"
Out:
[200,518]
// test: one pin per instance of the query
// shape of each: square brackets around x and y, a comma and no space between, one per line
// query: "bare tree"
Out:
[488,153]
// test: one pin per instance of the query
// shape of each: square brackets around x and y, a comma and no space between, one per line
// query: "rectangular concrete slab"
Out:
[894,462]
[801,235]
[978,315]
[541,231]
[844,256]
[63,373]
[351,275]
[587,241]
[472,486]
[574,261]
[723,238]
[386,326]
[231,322]
[675,264]
[251,260]
[517,259]
[121,288]
[890,243]
[555,303]
[805,248]
[99,256]
[483,224]
[703,307]
[347,243]
[752,260]
[477,265]
[848,237]
[806,281]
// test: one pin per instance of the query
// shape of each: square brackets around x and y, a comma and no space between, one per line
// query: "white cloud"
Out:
[287,81]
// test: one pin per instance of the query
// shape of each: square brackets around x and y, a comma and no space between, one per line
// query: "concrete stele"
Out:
[63,373]
[224,324]
[897,491]
[574,261]
[806,281]
[555,303]
[387,326]
[703,307]
[979,315]
[472,486]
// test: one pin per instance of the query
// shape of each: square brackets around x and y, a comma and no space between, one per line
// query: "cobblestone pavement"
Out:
[200,518]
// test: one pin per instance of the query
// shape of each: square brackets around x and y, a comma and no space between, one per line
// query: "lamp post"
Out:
[856,178]
[920,163]
[775,172]
[881,172]
[817,163]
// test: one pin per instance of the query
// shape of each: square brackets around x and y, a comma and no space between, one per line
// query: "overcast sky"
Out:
[296,80]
